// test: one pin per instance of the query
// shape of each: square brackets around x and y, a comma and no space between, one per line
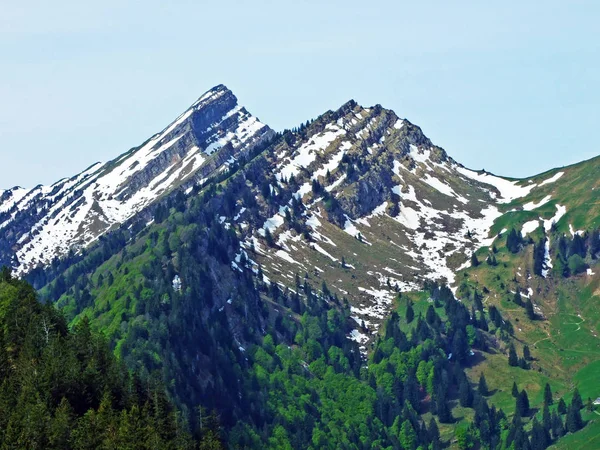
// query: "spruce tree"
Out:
[522,404]
[539,438]
[515,390]
[513,360]
[547,395]
[465,393]
[434,434]
[558,428]
[474,260]
[546,419]
[577,402]
[459,346]
[430,315]
[443,411]
[562,407]
[574,421]
[410,313]
[513,240]
[269,238]
[483,387]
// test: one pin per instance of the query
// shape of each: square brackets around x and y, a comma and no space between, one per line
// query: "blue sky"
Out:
[511,87]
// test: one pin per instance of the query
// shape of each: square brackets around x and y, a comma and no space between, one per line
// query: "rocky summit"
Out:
[46,222]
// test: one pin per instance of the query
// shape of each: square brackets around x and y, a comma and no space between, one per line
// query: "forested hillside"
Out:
[64,389]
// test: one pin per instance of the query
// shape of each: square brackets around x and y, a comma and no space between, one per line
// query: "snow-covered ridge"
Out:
[368,156]
[509,190]
[47,221]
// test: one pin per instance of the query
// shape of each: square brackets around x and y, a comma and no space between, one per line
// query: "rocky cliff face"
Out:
[48,221]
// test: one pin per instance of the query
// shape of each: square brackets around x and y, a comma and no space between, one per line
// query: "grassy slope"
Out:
[565,346]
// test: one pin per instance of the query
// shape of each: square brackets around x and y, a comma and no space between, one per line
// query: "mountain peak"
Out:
[47,221]
[213,94]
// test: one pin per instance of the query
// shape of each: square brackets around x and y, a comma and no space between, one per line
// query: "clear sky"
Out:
[511,86]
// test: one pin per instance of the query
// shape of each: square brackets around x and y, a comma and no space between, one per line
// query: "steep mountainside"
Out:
[47,221]
[340,285]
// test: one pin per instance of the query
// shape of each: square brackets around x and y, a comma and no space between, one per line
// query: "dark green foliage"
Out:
[434,434]
[482,386]
[64,389]
[522,404]
[547,395]
[513,241]
[562,407]
[431,316]
[513,359]
[269,238]
[574,421]
[474,260]
[576,401]
[515,390]
[465,393]
[460,346]
[540,438]
[546,419]
[410,313]
[558,428]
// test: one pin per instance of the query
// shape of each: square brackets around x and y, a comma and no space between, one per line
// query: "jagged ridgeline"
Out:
[303,285]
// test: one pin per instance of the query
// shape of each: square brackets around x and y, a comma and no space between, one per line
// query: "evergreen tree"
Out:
[483,388]
[558,428]
[410,313]
[474,260]
[269,238]
[515,390]
[408,436]
[574,421]
[522,404]
[547,395]
[513,241]
[546,419]
[513,359]
[577,402]
[562,407]
[459,346]
[434,434]
[431,315]
[539,438]
[465,393]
